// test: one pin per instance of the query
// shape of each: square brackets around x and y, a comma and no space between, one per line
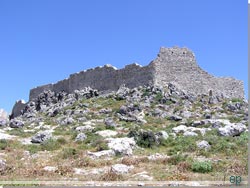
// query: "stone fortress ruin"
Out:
[172,65]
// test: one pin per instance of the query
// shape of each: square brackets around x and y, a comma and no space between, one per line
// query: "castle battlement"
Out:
[175,65]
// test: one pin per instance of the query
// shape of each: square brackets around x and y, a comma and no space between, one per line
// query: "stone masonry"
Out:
[172,65]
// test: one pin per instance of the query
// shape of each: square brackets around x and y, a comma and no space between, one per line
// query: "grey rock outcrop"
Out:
[3,166]
[121,146]
[233,129]
[41,137]
[100,154]
[162,135]
[109,122]
[203,145]
[121,168]
[107,133]
[190,133]
[16,123]
[86,128]
[80,137]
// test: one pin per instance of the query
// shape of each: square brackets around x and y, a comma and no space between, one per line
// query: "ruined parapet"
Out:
[231,87]
[17,109]
[175,65]
[178,66]
[106,78]
[36,91]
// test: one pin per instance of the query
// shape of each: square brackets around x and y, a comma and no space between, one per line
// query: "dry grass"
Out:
[111,176]
[183,166]
[178,177]
[237,168]
[134,160]
[88,162]
[65,170]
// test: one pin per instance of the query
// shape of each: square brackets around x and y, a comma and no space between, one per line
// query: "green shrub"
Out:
[62,140]
[242,139]
[224,145]
[175,159]
[50,145]
[234,119]
[158,97]
[182,144]
[3,144]
[100,145]
[202,166]
[33,148]
[145,139]
[236,100]
[20,132]
[62,130]
[69,153]
[145,93]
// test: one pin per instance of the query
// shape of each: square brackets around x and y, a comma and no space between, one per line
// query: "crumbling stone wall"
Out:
[106,78]
[178,66]
[175,65]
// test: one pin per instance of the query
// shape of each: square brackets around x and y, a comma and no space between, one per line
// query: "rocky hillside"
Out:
[145,133]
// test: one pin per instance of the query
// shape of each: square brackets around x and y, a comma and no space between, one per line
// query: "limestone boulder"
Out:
[3,166]
[109,122]
[180,129]
[80,137]
[85,128]
[16,123]
[50,168]
[100,154]
[190,133]
[107,133]
[162,135]
[197,123]
[175,117]
[105,111]
[86,92]
[41,137]
[233,129]
[122,92]
[3,122]
[203,145]
[121,168]
[121,146]
[67,121]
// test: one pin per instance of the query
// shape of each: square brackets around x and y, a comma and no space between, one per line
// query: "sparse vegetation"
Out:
[68,153]
[3,144]
[172,158]
[203,167]
[236,100]
[51,145]
[111,176]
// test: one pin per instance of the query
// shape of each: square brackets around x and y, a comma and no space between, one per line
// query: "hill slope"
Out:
[145,133]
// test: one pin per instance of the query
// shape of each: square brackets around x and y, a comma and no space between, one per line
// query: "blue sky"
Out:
[44,41]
